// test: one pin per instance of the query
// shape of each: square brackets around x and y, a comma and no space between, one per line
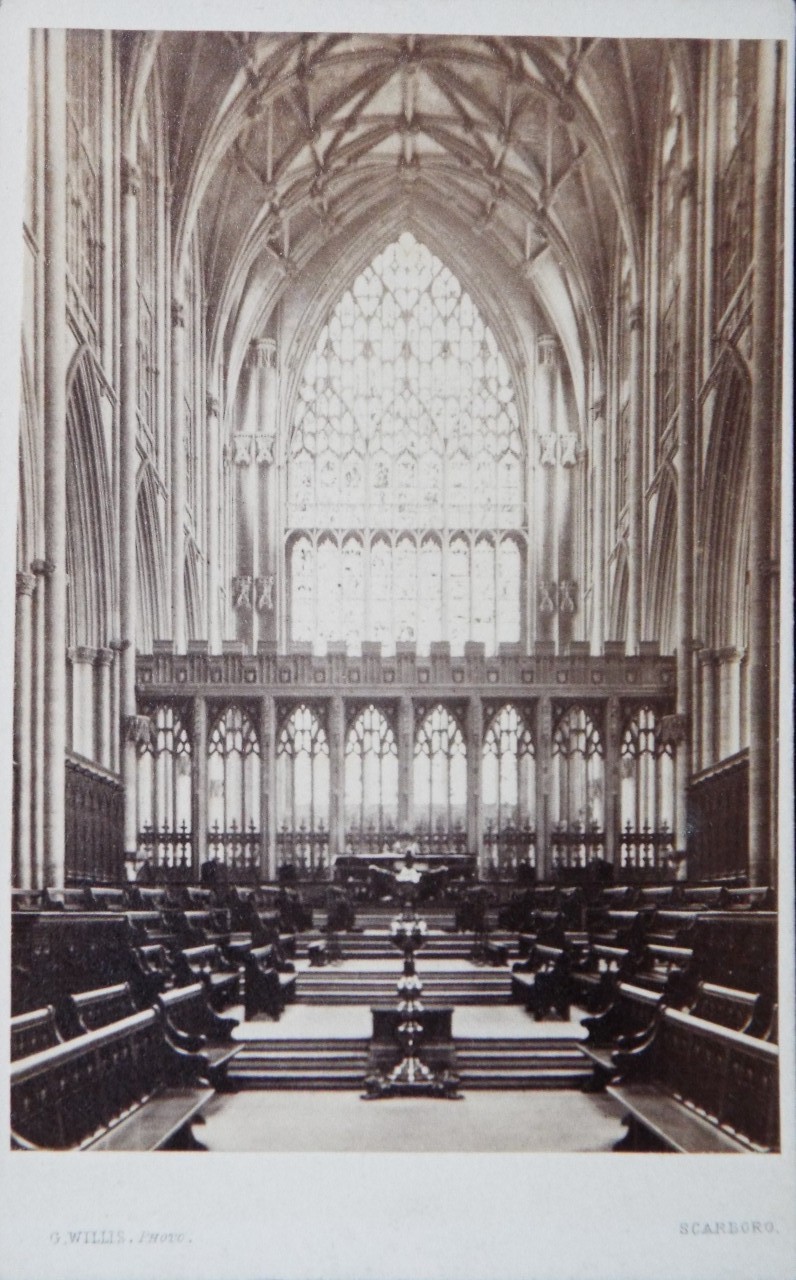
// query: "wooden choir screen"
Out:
[718,820]
[94,824]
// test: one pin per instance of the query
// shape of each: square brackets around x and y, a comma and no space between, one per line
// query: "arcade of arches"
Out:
[399,454]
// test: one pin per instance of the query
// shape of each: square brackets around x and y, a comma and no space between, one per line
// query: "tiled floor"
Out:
[483,1121]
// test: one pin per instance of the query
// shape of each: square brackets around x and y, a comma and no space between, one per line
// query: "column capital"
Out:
[119,646]
[130,177]
[137,730]
[103,657]
[262,353]
[674,729]
[42,568]
[83,653]
[26,583]
[177,314]
[598,408]
[547,349]
[211,406]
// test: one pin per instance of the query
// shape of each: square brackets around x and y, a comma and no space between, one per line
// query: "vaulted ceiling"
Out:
[531,153]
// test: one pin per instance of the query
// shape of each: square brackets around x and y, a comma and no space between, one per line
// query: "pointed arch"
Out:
[192,589]
[724,518]
[618,614]
[662,578]
[150,564]
[29,510]
[91,593]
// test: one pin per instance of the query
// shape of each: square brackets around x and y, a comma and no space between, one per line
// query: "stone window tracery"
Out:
[406,438]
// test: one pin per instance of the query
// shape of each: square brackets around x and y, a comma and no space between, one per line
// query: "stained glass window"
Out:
[406,431]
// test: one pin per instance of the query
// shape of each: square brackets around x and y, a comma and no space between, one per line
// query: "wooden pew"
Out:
[90,1010]
[148,897]
[26,900]
[672,928]
[103,898]
[669,971]
[121,1088]
[761,898]
[152,972]
[34,1031]
[627,1022]
[149,927]
[547,988]
[744,1011]
[55,953]
[696,1087]
[738,949]
[207,965]
[593,982]
[268,983]
[66,899]
[193,1025]
[700,897]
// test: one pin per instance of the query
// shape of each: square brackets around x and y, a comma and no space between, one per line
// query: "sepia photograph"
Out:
[397,759]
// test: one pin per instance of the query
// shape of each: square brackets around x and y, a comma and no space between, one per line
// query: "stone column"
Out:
[598,565]
[267,539]
[267,787]
[336,776]
[613,745]
[765,408]
[406,760]
[23,733]
[103,661]
[213,524]
[547,572]
[82,659]
[635,536]
[128,474]
[686,464]
[544,748]
[117,648]
[178,476]
[199,788]
[54,256]
[41,571]
[475,824]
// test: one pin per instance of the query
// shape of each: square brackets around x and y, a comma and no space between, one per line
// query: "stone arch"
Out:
[724,517]
[618,610]
[91,591]
[662,575]
[150,564]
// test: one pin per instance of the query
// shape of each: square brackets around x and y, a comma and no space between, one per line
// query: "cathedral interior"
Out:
[399,468]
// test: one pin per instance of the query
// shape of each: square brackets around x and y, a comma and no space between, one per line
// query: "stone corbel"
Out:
[568,449]
[264,449]
[242,592]
[264,593]
[137,730]
[674,729]
[242,450]
[548,448]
